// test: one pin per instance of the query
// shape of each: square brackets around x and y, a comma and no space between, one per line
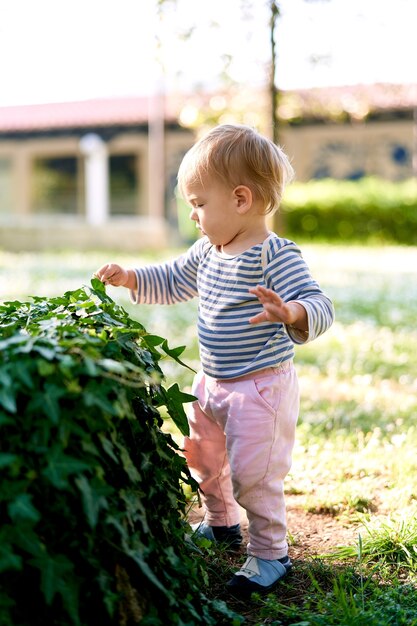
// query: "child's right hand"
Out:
[113,274]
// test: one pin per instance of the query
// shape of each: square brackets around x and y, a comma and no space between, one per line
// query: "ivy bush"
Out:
[91,498]
[369,209]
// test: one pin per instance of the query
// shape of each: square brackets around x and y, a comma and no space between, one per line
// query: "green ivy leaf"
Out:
[174,399]
[153,340]
[22,509]
[98,285]
[7,459]
[8,399]
[113,366]
[51,399]
[146,570]
[174,354]
[61,466]
[93,500]
[8,559]
[53,570]
[29,542]
[128,464]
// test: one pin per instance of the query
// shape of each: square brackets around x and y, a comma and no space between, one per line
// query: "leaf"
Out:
[8,559]
[108,447]
[94,399]
[70,593]
[146,570]
[24,374]
[93,500]
[51,407]
[52,569]
[61,466]
[90,367]
[7,459]
[29,542]
[128,464]
[22,509]
[174,354]
[180,396]
[98,285]
[153,340]
[174,399]
[8,399]
[113,366]
[14,340]
[45,368]
[46,353]
[5,378]
[5,420]
[135,508]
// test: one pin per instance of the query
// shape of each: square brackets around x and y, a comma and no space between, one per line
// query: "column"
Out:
[96,160]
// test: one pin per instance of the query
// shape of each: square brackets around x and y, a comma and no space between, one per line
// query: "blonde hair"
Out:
[238,155]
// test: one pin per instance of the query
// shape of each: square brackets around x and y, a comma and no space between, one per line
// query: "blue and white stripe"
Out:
[229,345]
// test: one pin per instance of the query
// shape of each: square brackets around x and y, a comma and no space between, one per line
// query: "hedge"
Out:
[92,505]
[367,210]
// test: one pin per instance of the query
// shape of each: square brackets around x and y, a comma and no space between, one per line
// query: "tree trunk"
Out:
[277,219]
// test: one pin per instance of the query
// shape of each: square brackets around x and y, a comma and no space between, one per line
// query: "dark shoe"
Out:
[258,575]
[229,536]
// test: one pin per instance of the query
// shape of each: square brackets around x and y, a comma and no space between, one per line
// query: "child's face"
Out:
[214,209]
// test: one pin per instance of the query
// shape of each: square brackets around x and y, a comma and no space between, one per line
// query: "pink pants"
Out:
[239,450]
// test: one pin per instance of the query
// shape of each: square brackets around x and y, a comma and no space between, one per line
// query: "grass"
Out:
[355,460]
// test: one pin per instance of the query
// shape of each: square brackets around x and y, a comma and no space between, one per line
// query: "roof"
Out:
[82,114]
[354,101]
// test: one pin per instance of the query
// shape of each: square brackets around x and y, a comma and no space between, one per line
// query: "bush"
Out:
[91,498]
[370,209]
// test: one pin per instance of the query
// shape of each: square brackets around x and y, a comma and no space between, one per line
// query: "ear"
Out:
[243,198]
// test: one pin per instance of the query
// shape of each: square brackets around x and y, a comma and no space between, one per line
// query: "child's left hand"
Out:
[276,310]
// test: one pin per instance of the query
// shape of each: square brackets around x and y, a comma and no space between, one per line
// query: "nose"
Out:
[193,214]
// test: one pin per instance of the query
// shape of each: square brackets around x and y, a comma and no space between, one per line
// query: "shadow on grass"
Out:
[316,593]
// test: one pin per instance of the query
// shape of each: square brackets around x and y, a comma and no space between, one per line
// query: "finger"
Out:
[111,273]
[270,296]
[259,293]
[256,319]
[260,289]
[101,272]
[266,294]
[256,290]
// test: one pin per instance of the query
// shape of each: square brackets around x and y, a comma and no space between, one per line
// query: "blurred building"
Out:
[89,174]
[351,132]
[103,173]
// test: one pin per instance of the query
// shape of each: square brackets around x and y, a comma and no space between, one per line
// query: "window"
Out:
[54,185]
[124,184]
[6,197]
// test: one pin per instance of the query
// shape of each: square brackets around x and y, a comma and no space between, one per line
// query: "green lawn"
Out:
[356,451]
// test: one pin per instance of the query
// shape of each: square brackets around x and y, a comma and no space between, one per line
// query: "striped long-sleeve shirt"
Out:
[229,345]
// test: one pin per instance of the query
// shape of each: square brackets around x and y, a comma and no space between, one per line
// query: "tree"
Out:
[274,15]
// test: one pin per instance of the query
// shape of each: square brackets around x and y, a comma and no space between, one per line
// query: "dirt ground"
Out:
[310,535]
[316,533]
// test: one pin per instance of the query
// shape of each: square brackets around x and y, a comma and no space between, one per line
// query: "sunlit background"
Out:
[99,102]
[63,51]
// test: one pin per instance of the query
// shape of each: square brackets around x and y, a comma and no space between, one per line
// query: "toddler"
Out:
[256,300]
